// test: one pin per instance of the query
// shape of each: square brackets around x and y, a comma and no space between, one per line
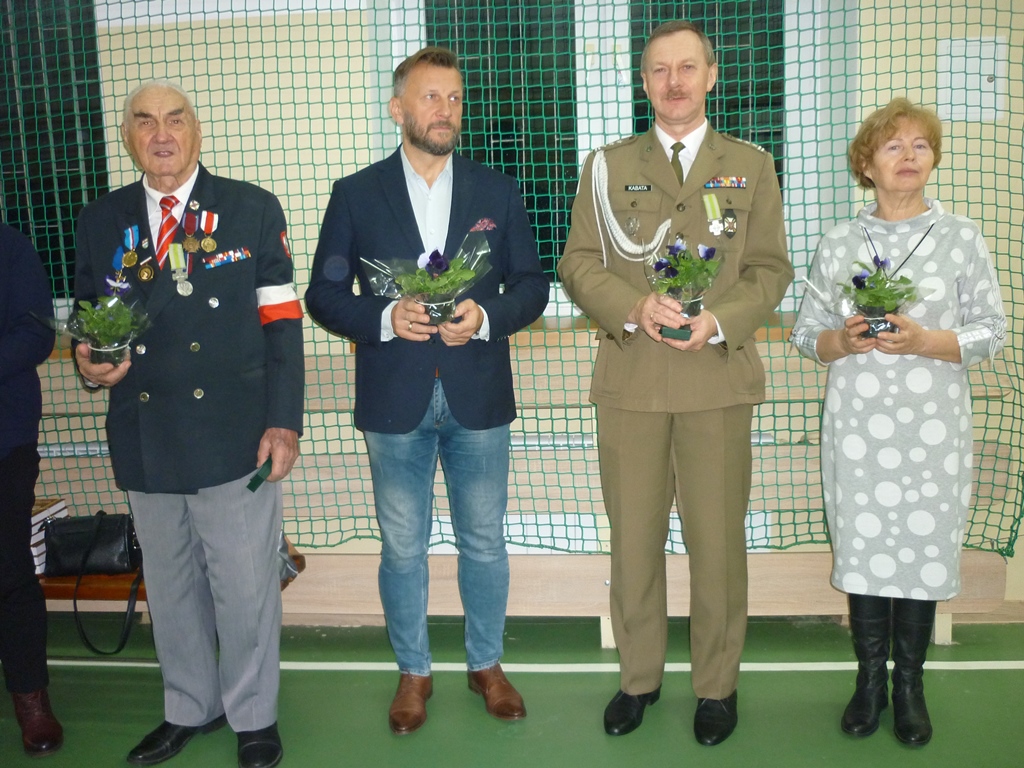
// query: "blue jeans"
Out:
[475,464]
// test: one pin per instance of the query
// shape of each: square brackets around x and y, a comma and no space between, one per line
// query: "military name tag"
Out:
[639,187]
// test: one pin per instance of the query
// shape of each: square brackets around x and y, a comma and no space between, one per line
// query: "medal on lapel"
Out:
[131,238]
[209,224]
[179,268]
[714,213]
[191,224]
[729,220]
[146,272]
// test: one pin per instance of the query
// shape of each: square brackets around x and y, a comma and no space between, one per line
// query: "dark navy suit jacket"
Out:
[370,216]
[215,370]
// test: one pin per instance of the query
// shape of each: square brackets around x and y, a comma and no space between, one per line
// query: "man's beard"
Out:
[421,139]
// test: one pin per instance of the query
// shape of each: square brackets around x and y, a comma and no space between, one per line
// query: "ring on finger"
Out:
[410,325]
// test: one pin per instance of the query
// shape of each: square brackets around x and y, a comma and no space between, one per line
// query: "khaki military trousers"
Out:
[703,460]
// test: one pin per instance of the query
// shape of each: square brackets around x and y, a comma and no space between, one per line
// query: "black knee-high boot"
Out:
[913,621]
[870,622]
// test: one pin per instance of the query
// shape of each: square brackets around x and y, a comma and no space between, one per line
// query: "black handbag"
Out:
[99,545]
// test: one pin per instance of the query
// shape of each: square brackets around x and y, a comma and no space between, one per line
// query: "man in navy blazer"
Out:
[212,390]
[425,390]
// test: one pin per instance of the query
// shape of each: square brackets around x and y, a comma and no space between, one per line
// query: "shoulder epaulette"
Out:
[758,147]
[622,142]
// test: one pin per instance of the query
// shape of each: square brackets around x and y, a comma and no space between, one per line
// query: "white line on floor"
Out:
[376,666]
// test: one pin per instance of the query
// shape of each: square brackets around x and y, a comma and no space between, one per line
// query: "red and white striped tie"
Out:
[168,224]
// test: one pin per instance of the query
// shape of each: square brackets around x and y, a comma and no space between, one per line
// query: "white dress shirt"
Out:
[432,207]
[691,143]
[153,198]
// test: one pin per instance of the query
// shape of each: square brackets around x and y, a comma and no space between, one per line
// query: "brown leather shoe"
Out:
[409,707]
[41,734]
[502,700]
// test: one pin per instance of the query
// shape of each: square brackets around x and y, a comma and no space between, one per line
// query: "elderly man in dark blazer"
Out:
[425,390]
[674,415]
[212,391]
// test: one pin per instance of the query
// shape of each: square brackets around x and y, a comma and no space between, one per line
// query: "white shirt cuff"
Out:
[387,331]
[484,334]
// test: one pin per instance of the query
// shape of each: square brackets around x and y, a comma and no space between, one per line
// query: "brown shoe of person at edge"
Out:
[41,733]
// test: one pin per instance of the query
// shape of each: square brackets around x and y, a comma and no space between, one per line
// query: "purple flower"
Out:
[661,264]
[705,252]
[859,281]
[882,263]
[437,262]
[433,262]
[677,247]
[671,272]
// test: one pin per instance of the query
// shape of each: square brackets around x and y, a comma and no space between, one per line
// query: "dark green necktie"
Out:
[676,165]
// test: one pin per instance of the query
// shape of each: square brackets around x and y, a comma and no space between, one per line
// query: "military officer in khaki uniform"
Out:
[674,415]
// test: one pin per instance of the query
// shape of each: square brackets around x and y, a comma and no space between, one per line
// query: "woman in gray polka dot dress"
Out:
[896,424]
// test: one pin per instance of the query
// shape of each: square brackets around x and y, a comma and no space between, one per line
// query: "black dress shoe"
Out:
[168,740]
[715,719]
[625,712]
[259,749]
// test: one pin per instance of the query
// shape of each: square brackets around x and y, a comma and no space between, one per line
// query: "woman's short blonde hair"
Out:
[881,125]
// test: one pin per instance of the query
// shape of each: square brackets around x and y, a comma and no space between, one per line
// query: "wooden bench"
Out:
[94,588]
[780,584]
[98,590]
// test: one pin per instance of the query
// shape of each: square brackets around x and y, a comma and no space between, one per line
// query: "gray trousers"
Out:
[213,582]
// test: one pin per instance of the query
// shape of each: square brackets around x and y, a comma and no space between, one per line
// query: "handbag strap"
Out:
[129,614]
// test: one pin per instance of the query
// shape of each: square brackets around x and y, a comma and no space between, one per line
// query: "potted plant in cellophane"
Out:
[432,280]
[108,324]
[684,276]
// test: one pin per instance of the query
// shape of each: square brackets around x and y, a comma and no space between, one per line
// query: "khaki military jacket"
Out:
[634,372]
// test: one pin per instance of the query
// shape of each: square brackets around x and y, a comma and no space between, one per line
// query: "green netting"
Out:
[292,94]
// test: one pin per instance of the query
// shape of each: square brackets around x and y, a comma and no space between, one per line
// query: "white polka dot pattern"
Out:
[896,430]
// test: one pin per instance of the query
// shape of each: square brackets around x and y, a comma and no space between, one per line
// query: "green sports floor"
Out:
[337,683]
